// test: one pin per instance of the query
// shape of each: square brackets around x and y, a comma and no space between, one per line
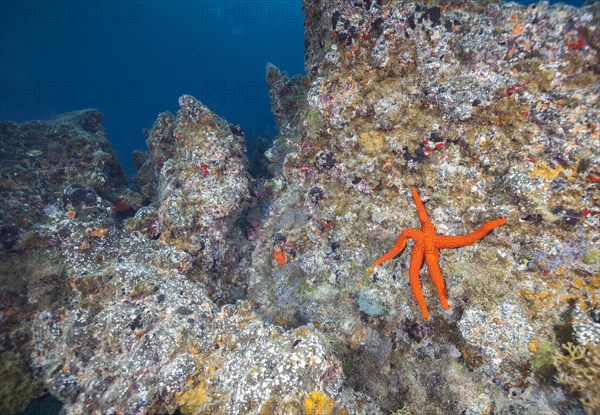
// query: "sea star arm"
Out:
[421,211]
[399,246]
[432,261]
[444,241]
[416,262]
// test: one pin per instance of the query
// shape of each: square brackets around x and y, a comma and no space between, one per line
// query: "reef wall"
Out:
[489,110]
[108,311]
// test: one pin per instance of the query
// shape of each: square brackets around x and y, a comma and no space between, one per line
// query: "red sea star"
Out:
[427,246]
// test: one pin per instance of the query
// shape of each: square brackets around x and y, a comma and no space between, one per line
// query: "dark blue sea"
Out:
[134,59]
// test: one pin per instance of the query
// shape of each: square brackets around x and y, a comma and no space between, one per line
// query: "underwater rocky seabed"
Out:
[205,291]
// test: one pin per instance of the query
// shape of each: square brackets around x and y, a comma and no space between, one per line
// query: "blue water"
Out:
[132,60]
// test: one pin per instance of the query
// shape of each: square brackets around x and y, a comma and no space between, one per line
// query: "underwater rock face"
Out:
[41,158]
[490,110]
[160,140]
[110,318]
[162,344]
[196,179]
[204,186]
[196,175]
[288,96]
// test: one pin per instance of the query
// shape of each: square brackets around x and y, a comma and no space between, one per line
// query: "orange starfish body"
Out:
[426,248]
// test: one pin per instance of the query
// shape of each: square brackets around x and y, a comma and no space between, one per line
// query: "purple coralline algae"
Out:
[207,291]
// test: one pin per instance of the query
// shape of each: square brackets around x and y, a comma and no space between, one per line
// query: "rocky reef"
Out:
[206,291]
[106,309]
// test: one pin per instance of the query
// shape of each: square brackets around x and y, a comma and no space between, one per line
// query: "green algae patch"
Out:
[592,256]
[543,363]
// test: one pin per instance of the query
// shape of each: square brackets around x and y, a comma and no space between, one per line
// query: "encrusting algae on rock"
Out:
[318,403]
